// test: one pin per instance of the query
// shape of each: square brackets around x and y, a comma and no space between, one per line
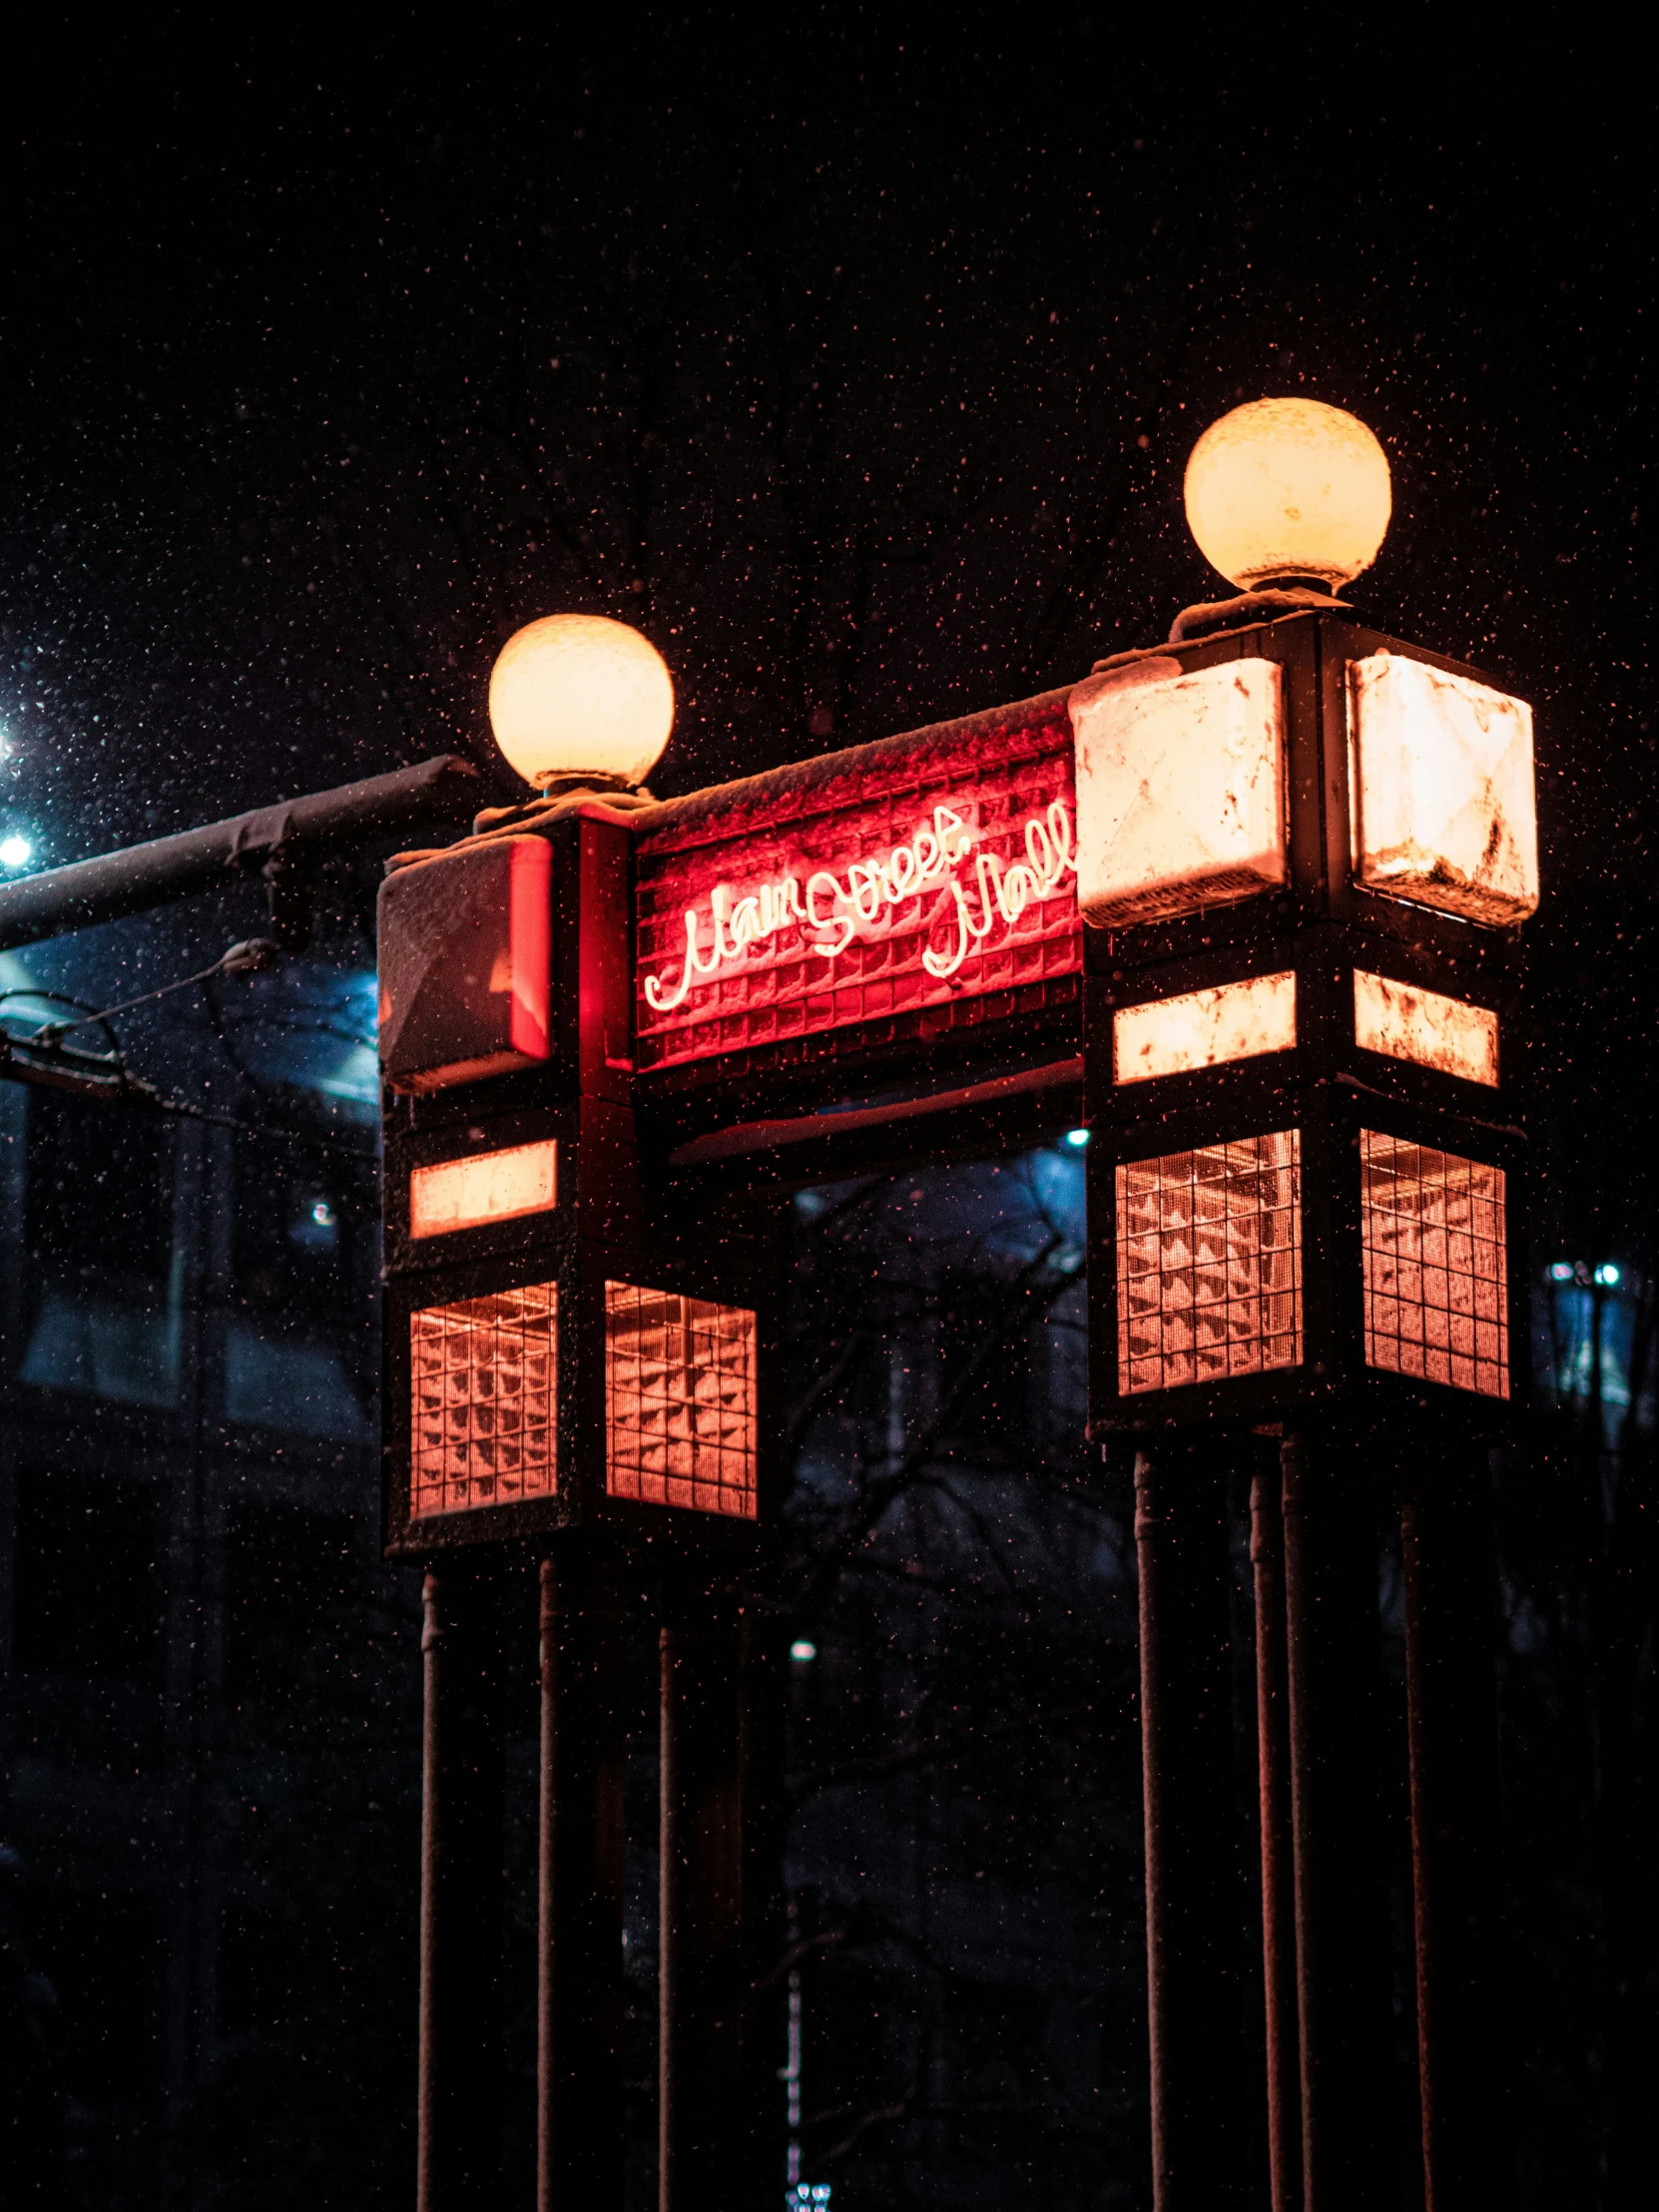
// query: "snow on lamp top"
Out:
[580,695]
[1287,490]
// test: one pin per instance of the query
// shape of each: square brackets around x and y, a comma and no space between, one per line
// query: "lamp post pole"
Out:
[1278,1846]
[462,1894]
[1452,1723]
[1343,1970]
[1192,1951]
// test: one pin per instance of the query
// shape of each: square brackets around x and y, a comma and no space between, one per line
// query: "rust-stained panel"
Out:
[1180,788]
[1424,1026]
[1201,1029]
[1445,811]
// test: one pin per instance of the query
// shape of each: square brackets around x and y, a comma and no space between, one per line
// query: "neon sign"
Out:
[866,902]
[903,888]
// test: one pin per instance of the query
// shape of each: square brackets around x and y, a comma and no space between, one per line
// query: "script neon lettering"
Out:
[834,909]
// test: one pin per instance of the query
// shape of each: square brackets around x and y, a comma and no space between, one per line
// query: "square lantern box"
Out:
[558,1355]
[1305,851]
[1313,1217]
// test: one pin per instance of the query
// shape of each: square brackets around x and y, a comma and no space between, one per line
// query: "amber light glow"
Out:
[1180,788]
[484,1389]
[1208,1263]
[1444,809]
[1285,489]
[580,695]
[1434,1031]
[1200,1030]
[1437,1294]
[489,1186]
[680,1407]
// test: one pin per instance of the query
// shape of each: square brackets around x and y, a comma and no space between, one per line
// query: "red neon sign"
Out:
[919,875]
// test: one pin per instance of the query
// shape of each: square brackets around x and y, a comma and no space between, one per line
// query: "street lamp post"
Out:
[1304,849]
[574,1377]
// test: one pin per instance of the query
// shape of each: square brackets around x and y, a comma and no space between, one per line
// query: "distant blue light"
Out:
[15,852]
[1561,1272]
[1077,1137]
[801,1650]
[1607,1274]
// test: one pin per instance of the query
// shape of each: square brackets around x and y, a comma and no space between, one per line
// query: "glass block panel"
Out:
[484,1381]
[679,1401]
[1208,1263]
[1436,1289]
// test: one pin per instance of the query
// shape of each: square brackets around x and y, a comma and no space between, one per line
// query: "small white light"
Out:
[323,1214]
[1561,1272]
[1607,1274]
[15,852]
[803,1651]
[1077,1137]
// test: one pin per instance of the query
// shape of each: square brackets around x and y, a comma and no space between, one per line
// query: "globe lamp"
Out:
[579,698]
[1287,491]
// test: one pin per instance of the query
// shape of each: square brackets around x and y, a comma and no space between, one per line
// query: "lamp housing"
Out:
[1306,1166]
[561,1355]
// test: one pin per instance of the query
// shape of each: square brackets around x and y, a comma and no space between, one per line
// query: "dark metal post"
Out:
[547,1628]
[1344,1984]
[580,1992]
[1273,1740]
[701,2124]
[1451,1720]
[458,2127]
[1187,1782]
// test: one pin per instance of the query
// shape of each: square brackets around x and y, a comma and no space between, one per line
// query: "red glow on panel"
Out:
[680,1400]
[483,1377]
[1437,1265]
[531,938]
[930,877]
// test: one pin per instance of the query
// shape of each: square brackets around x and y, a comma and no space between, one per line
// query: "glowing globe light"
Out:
[1287,491]
[581,696]
[15,852]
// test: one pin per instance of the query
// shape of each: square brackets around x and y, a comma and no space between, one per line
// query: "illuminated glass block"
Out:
[1443,797]
[1180,788]
[1424,1026]
[487,1186]
[484,1397]
[1436,1286]
[1208,1263]
[1201,1029]
[679,1401]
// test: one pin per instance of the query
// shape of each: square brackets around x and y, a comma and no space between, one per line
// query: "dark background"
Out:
[856,357]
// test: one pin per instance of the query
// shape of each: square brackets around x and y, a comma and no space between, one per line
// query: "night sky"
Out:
[856,360]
